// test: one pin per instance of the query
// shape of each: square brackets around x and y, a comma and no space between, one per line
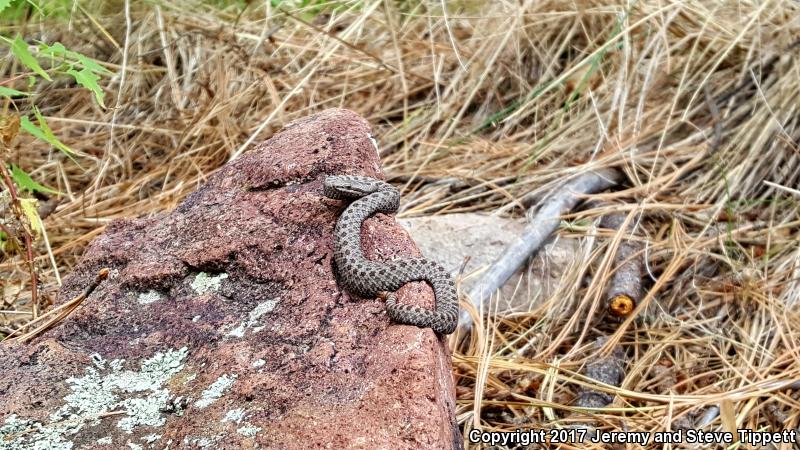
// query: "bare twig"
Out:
[541,226]
[58,314]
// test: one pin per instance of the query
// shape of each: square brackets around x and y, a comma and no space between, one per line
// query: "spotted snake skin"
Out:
[370,279]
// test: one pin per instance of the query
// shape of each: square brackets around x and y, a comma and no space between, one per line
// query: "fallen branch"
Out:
[609,370]
[625,287]
[541,226]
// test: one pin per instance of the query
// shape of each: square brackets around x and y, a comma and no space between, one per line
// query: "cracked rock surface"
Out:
[222,326]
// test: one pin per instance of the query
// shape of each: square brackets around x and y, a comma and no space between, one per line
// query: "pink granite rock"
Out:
[222,326]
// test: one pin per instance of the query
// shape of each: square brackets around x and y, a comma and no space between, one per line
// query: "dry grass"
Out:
[484,108]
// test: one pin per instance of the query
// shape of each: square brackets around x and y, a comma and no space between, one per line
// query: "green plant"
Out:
[20,224]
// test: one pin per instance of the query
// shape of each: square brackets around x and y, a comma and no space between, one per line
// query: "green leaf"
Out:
[28,126]
[55,50]
[20,49]
[3,241]
[25,182]
[4,4]
[58,50]
[43,132]
[88,79]
[52,139]
[92,64]
[8,92]
[30,209]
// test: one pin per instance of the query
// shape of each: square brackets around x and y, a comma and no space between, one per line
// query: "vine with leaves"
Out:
[28,66]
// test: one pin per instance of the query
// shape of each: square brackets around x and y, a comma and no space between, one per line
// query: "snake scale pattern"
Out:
[370,279]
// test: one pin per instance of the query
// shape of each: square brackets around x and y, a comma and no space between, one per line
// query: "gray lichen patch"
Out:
[145,298]
[97,393]
[199,442]
[150,438]
[248,430]
[234,415]
[215,391]
[104,388]
[24,434]
[252,319]
[203,283]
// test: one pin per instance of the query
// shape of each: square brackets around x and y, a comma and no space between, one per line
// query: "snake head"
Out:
[348,186]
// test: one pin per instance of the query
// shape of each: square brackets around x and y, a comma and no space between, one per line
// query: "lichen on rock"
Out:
[136,395]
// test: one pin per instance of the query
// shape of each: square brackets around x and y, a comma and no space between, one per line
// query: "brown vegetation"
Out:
[485,106]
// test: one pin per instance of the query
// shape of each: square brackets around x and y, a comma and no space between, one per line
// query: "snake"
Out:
[379,279]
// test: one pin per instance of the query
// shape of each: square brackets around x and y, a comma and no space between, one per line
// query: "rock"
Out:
[450,238]
[221,325]
[453,238]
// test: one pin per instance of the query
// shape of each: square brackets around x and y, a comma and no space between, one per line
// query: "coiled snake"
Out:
[371,279]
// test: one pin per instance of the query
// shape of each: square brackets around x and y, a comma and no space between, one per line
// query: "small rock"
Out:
[451,239]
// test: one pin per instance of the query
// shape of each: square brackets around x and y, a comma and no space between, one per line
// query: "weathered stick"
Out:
[544,222]
[625,287]
[609,370]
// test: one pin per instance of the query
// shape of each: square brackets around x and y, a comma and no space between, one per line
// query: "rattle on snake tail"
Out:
[371,279]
